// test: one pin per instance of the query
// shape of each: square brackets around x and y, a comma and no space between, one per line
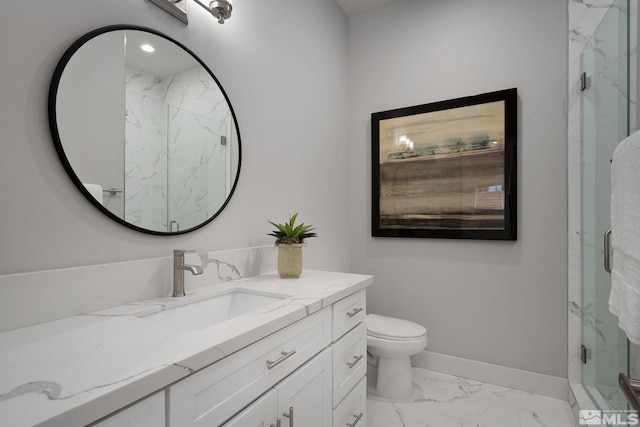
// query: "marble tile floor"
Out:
[442,400]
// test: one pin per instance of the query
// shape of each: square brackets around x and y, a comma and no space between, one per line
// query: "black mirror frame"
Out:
[53,126]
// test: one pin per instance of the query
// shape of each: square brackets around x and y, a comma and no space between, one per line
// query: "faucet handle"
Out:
[183,251]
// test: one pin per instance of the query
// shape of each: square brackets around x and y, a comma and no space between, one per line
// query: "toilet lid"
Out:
[392,328]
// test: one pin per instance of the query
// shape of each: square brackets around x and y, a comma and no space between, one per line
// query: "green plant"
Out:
[289,233]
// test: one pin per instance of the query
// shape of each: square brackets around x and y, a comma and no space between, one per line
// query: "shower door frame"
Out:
[609,66]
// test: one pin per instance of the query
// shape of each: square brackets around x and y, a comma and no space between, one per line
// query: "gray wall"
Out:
[93,137]
[303,82]
[284,67]
[496,302]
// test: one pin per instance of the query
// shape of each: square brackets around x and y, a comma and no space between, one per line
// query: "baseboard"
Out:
[544,385]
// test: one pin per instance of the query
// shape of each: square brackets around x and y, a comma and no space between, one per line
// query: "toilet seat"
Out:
[390,328]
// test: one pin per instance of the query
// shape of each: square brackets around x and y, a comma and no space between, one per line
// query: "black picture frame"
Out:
[446,169]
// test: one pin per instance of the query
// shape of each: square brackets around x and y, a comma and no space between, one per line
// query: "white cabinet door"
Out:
[304,398]
[261,413]
[146,413]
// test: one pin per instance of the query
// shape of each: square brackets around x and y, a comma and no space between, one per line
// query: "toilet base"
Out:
[394,378]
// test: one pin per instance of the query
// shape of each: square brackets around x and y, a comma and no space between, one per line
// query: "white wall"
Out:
[284,67]
[502,303]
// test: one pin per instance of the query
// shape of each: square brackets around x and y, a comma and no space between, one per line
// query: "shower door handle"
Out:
[631,389]
[607,251]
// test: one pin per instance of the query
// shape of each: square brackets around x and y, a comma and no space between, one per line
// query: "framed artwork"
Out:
[446,169]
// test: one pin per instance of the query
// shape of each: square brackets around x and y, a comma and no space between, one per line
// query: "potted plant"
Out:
[289,240]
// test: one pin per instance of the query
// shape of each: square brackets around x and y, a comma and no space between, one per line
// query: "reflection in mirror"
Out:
[144,130]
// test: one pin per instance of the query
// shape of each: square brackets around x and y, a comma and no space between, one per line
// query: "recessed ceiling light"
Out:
[147,48]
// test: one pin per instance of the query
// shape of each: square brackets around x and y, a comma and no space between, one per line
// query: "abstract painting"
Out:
[446,169]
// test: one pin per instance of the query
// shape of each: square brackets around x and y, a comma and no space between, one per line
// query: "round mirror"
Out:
[144,130]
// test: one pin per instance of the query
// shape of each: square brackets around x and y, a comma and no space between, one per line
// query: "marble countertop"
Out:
[76,370]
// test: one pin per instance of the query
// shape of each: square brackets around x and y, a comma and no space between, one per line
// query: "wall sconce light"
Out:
[221,9]
[177,8]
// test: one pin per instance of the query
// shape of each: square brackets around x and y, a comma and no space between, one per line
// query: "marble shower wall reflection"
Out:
[174,155]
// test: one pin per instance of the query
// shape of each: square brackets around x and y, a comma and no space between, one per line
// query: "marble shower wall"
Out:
[199,163]
[197,169]
[145,150]
[176,165]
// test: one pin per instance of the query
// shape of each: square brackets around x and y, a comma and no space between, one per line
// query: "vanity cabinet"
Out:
[311,371]
[303,349]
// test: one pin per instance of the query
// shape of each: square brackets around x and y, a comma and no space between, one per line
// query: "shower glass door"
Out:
[608,116]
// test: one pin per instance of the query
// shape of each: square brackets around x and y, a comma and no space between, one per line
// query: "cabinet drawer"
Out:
[349,361]
[348,312]
[352,412]
[212,395]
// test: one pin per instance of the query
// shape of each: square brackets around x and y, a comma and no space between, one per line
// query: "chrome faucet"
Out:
[179,268]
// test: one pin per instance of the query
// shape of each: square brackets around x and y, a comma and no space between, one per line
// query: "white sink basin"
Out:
[208,312]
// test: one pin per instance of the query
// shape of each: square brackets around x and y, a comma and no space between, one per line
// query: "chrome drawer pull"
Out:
[355,311]
[289,415]
[277,424]
[356,359]
[353,424]
[285,356]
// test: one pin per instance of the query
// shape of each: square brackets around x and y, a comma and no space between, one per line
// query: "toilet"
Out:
[390,343]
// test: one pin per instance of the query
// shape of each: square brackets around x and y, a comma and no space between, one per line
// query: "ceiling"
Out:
[356,7]
[168,59]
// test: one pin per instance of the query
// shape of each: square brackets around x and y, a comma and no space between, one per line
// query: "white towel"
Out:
[624,300]
[96,191]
